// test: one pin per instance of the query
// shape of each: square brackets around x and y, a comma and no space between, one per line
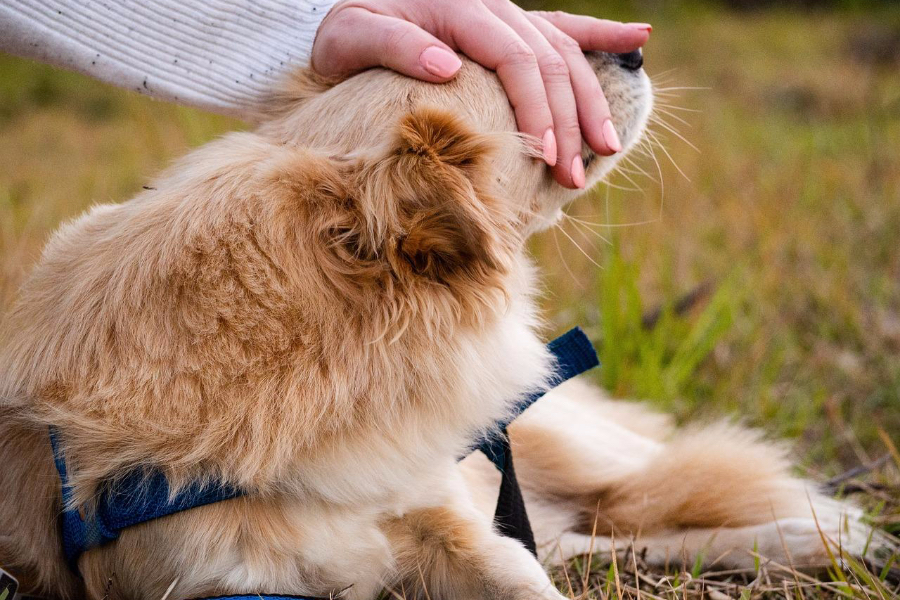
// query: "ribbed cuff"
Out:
[219,55]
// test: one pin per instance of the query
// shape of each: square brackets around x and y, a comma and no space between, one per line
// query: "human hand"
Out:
[538,57]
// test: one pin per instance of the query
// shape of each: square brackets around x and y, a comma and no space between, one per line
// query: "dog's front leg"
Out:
[452,552]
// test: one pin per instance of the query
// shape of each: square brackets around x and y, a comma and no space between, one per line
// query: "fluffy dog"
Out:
[324,313]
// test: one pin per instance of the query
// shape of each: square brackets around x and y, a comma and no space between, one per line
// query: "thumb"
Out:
[355,39]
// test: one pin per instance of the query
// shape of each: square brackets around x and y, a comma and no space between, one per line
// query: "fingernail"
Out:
[440,62]
[611,137]
[578,172]
[549,141]
[641,26]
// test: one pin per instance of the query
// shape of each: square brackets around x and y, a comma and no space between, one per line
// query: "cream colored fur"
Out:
[325,312]
[591,465]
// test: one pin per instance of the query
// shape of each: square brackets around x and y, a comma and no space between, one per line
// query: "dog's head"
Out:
[434,182]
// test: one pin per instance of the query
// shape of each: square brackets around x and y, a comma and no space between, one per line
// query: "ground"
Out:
[784,221]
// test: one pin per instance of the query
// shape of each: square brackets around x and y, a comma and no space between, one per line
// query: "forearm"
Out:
[219,55]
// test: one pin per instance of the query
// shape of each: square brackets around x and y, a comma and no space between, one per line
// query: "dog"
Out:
[324,313]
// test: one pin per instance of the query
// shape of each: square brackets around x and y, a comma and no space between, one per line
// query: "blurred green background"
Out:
[789,206]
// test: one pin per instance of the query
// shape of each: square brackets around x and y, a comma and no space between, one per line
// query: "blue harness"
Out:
[140,496]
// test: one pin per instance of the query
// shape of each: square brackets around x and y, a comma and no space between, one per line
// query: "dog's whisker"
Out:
[637,187]
[675,132]
[679,88]
[613,225]
[662,147]
[667,96]
[582,228]
[631,171]
[621,187]
[588,235]
[675,107]
[656,76]
[606,204]
[647,146]
[628,160]
[563,260]
[664,110]
[580,249]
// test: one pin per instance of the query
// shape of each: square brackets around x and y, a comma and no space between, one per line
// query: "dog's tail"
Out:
[646,476]
[623,470]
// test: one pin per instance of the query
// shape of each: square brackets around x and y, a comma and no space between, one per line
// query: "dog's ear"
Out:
[442,136]
[436,180]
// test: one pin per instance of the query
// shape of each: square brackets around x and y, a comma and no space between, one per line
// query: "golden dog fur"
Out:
[325,312]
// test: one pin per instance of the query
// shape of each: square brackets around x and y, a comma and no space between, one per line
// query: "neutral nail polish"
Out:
[549,142]
[642,26]
[611,137]
[578,172]
[439,62]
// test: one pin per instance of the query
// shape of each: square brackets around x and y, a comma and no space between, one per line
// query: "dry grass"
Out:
[791,204]
[791,200]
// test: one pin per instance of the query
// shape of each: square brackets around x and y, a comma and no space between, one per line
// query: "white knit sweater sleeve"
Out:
[219,55]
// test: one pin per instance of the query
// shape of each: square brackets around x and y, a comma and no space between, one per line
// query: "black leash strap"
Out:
[574,355]
[510,517]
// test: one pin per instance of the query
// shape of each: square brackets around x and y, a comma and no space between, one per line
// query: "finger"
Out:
[599,34]
[357,39]
[593,109]
[490,42]
[554,69]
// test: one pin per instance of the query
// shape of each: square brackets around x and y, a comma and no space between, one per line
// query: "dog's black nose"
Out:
[631,60]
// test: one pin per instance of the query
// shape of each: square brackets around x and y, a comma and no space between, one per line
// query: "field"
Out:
[772,216]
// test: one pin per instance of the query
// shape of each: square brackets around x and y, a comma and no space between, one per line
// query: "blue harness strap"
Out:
[574,355]
[145,495]
[138,497]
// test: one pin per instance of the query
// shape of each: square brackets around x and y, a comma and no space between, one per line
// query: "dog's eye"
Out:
[587,160]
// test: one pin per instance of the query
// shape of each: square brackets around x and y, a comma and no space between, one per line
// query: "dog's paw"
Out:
[544,591]
[816,543]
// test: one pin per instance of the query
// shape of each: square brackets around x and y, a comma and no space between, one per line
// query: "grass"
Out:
[790,207]
[632,579]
